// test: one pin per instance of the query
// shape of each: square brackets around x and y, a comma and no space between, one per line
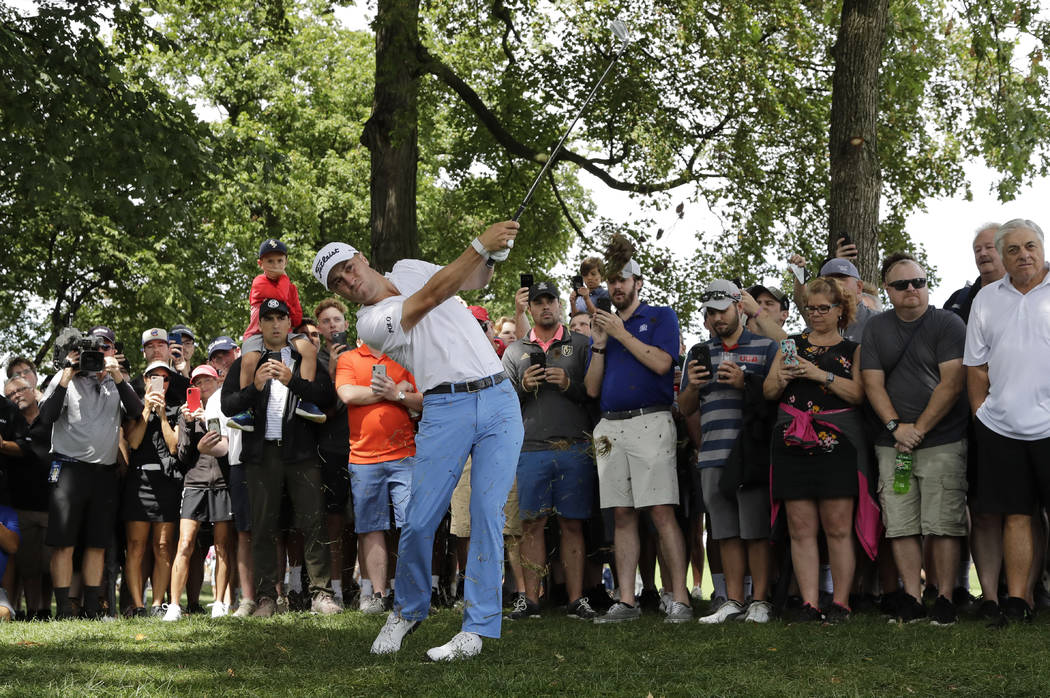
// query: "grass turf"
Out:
[299,654]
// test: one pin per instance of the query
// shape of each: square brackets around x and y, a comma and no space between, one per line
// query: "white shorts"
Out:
[636,461]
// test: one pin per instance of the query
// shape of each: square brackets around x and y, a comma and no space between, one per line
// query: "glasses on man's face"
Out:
[820,309]
[902,285]
[718,296]
[17,391]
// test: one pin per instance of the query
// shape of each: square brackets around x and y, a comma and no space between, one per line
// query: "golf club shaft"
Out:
[557,148]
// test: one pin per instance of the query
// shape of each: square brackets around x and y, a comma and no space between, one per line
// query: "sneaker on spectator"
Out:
[281,605]
[244,421]
[462,646]
[310,412]
[1016,609]
[909,610]
[265,607]
[678,612]
[963,600]
[599,598]
[891,601]
[324,604]
[988,610]
[392,633]
[245,609]
[836,613]
[523,608]
[174,612]
[805,614]
[372,605]
[620,612]
[158,611]
[929,594]
[943,612]
[581,609]
[135,612]
[509,600]
[759,612]
[648,601]
[727,611]
[195,609]
[219,609]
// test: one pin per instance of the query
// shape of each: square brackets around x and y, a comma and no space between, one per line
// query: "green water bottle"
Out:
[902,473]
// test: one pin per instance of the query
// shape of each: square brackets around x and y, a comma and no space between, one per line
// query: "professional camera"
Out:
[90,347]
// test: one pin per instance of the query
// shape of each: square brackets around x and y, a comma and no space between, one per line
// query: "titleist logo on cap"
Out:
[324,258]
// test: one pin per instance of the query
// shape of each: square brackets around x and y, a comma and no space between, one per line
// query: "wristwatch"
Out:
[400,396]
[829,379]
[891,426]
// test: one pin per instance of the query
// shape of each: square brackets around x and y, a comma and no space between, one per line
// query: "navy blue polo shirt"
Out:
[626,383]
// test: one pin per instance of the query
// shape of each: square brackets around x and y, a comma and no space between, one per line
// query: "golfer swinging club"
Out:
[468,408]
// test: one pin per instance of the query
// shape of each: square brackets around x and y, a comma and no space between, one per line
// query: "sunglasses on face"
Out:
[820,309]
[718,296]
[902,285]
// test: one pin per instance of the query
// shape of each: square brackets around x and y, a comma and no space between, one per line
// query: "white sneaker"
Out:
[174,612]
[462,646]
[219,610]
[372,605]
[695,594]
[727,611]
[759,612]
[392,633]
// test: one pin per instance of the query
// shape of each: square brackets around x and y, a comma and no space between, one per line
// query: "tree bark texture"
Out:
[856,176]
[390,134]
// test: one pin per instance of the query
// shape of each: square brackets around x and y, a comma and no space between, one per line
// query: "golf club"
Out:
[619,29]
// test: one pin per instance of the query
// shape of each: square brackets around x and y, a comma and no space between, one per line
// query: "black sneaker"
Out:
[910,610]
[648,601]
[929,594]
[988,610]
[1016,609]
[891,601]
[962,599]
[804,614]
[581,609]
[836,613]
[943,612]
[158,611]
[863,603]
[524,608]
[599,598]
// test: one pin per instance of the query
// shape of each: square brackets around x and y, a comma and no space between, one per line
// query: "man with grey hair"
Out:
[989,267]
[1008,331]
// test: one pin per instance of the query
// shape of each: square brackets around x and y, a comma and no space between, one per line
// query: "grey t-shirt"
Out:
[916,373]
[89,427]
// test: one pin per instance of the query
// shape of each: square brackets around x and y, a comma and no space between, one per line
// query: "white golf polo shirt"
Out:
[446,346]
[1010,332]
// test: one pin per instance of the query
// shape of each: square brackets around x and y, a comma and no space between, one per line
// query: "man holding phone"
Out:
[469,408]
[739,523]
[155,347]
[281,453]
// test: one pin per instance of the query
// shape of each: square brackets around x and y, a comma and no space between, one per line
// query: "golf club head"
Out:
[618,28]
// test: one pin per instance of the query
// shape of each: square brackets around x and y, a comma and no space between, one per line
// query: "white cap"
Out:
[327,257]
[630,270]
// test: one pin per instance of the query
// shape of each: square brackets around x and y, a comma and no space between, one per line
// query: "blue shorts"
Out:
[377,488]
[559,482]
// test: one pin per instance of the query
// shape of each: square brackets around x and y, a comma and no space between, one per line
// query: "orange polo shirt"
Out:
[382,431]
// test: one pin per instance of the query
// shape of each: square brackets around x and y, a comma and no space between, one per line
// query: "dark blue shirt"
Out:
[626,383]
[9,518]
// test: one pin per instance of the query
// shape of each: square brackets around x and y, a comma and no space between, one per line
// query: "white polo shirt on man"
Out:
[1010,332]
[446,346]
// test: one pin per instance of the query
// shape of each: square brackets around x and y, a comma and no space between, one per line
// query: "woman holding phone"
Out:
[819,456]
[206,495]
[152,488]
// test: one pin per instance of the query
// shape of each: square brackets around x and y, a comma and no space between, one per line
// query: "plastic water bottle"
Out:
[902,473]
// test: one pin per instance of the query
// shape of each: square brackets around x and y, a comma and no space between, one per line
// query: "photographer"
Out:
[156,347]
[85,409]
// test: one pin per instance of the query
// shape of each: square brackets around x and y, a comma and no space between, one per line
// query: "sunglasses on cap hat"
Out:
[718,296]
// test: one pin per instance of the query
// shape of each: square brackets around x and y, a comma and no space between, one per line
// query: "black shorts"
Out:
[335,483]
[82,505]
[1013,476]
[150,495]
[206,505]
[242,506]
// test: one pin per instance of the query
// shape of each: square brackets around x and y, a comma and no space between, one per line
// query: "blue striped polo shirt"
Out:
[720,405]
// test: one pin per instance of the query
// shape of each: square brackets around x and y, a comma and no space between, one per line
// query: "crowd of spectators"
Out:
[862,464]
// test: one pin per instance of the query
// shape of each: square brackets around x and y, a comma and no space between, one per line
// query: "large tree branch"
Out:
[429,64]
[565,207]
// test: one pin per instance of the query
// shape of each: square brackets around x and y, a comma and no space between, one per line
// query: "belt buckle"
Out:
[480,383]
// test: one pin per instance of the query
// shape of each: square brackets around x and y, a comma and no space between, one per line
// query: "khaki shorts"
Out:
[636,461]
[935,504]
[460,525]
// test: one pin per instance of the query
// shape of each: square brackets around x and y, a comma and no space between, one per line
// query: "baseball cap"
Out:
[221,343]
[777,294]
[182,329]
[631,269]
[479,313]
[204,370]
[103,331]
[272,245]
[273,305]
[839,266]
[154,333]
[157,364]
[719,295]
[328,256]
[542,288]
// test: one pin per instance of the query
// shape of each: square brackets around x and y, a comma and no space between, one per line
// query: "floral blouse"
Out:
[811,396]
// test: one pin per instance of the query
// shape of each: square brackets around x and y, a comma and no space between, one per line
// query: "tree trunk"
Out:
[856,177]
[391,134]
